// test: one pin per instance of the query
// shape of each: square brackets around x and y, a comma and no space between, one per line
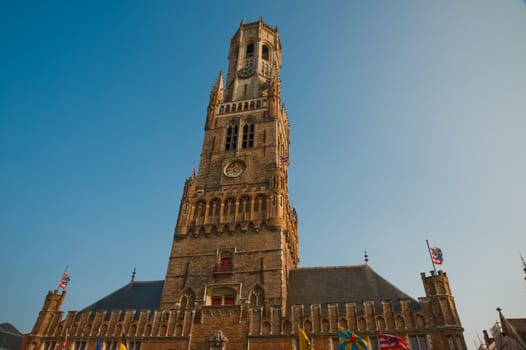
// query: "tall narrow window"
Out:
[231,138]
[226,264]
[265,52]
[248,136]
[250,50]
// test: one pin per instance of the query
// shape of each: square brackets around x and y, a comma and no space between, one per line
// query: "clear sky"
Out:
[408,121]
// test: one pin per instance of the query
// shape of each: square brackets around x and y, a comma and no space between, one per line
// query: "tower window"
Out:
[231,138]
[419,342]
[265,52]
[250,50]
[248,136]
[226,264]
[222,296]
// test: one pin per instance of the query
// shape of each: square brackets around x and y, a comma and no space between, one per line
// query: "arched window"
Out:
[230,206]
[188,300]
[248,136]
[250,50]
[243,209]
[200,209]
[213,211]
[231,137]
[256,297]
[265,52]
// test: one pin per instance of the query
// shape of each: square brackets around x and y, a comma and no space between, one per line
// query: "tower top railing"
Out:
[242,106]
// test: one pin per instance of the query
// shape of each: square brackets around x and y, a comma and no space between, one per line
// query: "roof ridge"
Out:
[329,267]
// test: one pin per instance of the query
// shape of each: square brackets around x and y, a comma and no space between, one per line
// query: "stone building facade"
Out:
[233,280]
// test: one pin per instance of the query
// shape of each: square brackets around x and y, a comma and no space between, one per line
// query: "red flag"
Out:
[65,339]
[436,255]
[391,342]
[64,281]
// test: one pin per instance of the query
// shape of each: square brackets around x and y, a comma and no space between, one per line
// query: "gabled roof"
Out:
[10,337]
[9,328]
[341,284]
[135,295]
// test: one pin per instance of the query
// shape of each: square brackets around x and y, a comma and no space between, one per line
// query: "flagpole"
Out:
[430,256]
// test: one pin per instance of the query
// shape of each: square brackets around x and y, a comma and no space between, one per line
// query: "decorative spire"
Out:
[218,85]
[366,257]
[133,275]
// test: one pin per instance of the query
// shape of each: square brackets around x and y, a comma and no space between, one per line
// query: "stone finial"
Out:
[366,257]
[133,275]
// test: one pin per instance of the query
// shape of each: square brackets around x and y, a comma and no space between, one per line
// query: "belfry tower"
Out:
[233,281]
[236,235]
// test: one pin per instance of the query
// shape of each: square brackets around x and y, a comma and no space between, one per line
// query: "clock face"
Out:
[245,72]
[235,168]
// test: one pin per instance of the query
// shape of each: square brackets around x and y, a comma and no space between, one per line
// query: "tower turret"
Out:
[443,315]
[52,304]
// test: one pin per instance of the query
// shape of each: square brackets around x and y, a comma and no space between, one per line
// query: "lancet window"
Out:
[231,137]
[248,136]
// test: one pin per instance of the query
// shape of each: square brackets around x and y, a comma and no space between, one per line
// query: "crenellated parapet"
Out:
[405,318]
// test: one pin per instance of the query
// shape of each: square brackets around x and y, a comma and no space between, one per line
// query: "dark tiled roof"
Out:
[341,284]
[9,328]
[10,337]
[134,295]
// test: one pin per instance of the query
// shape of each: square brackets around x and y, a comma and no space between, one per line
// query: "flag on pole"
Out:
[64,280]
[65,343]
[122,344]
[391,342]
[283,161]
[305,343]
[350,341]
[193,171]
[294,214]
[436,255]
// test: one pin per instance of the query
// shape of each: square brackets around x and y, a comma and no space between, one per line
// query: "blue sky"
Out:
[407,123]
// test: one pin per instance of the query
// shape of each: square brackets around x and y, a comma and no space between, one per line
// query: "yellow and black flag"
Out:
[305,343]
[122,344]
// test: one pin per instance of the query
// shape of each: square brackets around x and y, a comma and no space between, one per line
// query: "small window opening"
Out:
[265,52]
[226,264]
[250,50]
[231,138]
[248,136]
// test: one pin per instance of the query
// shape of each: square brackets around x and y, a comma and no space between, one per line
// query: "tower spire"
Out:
[216,97]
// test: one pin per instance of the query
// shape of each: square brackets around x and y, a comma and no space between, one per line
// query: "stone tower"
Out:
[236,235]
[233,281]
[47,315]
